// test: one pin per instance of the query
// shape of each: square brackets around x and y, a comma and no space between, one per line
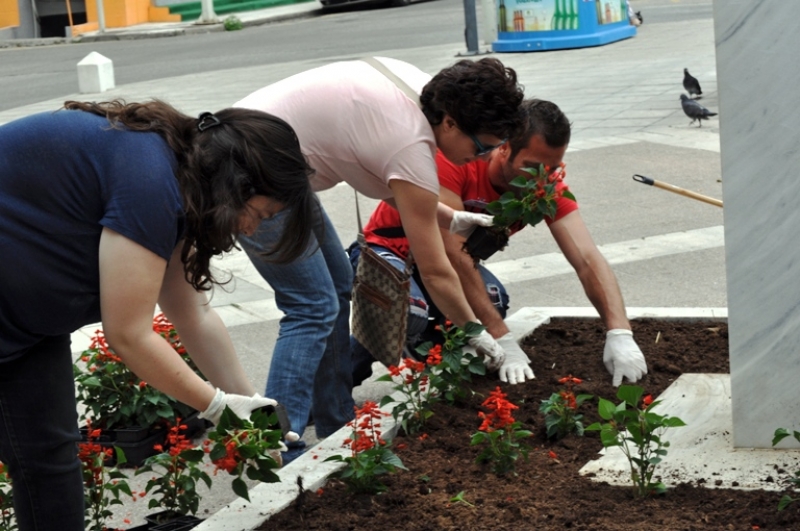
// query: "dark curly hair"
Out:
[248,152]
[540,117]
[481,96]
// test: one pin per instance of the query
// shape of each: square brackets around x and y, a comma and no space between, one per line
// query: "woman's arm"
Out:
[419,212]
[201,330]
[130,282]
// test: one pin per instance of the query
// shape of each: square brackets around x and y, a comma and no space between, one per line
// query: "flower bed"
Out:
[445,489]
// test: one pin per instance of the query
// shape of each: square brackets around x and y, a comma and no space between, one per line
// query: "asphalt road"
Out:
[33,74]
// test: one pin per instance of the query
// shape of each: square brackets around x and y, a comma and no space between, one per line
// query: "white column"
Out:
[759,113]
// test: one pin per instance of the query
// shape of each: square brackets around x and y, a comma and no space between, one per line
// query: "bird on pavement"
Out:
[694,110]
[691,84]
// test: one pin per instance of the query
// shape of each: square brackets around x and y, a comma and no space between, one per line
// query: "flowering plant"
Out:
[561,410]
[501,433]
[178,474]
[415,409]
[248,447]
[102,485]
[637,431]
[370,456]
[7,520]
[786,500]
[116,398]
[536,199]
[450,375]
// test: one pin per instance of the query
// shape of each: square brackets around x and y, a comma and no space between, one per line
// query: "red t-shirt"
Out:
[470,183]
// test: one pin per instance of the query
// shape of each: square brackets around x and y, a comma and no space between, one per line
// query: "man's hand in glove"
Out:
[241,405]
[515,368]
[623,357]
[493,353]
[464,223]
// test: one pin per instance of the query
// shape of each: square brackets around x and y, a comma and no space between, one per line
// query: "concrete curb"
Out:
[268,499]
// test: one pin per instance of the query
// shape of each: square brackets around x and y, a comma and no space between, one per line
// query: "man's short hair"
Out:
[540,117]
[483,97]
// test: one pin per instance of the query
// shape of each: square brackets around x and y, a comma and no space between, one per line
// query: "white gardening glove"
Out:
[515,368]
[464,223]
[493,354]
[241,405]
[623,357]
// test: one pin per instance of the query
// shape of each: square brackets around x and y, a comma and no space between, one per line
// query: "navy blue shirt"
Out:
[63,177]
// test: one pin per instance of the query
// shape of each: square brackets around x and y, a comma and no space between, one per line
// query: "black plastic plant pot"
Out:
[182,523]
[485,241]
[131,435]
[162,517]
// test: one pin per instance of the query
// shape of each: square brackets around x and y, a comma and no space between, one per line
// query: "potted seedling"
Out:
[539,188]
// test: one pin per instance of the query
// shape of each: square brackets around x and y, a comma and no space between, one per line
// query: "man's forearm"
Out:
[603,291]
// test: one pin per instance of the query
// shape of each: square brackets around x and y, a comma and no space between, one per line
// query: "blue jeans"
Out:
[310,370]
[422,313]
[39,435]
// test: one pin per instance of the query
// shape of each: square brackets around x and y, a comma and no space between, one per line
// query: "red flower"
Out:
[552,454]
[500,416]
[647,400]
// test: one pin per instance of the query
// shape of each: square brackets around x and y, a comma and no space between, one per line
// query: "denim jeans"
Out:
[39,435]
[310,370]
[420,308]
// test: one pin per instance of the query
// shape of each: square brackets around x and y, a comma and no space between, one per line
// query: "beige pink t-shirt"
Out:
[355,125]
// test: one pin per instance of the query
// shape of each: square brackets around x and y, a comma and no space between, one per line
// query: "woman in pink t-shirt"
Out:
[357,123]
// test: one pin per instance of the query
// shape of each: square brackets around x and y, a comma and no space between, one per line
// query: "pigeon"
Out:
[694,110]
[639,16]
[691,84]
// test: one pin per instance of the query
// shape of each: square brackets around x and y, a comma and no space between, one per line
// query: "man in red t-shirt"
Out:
[543,139]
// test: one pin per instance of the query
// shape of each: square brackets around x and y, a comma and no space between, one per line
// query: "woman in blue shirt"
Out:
[107,209]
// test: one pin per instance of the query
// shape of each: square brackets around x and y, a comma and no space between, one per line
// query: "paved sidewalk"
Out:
[623,102]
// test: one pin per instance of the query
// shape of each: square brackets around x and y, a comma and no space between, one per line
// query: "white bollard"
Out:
[95,74]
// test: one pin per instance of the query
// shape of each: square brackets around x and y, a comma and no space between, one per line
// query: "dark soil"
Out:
[547,493]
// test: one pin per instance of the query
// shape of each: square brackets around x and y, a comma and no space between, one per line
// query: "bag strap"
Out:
[402,85]
[413,96]
[362,241]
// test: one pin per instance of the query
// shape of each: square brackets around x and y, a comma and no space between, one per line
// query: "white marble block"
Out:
[95,74]
[759,115]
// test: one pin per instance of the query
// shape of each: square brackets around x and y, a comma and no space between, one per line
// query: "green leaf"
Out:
[521,180]
[780,434]
[472,329]
[631,394]
[785,501]
[386,399]
[606,409]
[609,437]
[568,195]
[673,422]
[240,488]
[390,458]
[594,427]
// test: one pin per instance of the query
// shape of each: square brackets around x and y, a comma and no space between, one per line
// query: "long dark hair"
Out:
[242,153]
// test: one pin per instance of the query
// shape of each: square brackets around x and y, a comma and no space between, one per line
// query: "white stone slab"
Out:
[703,449]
